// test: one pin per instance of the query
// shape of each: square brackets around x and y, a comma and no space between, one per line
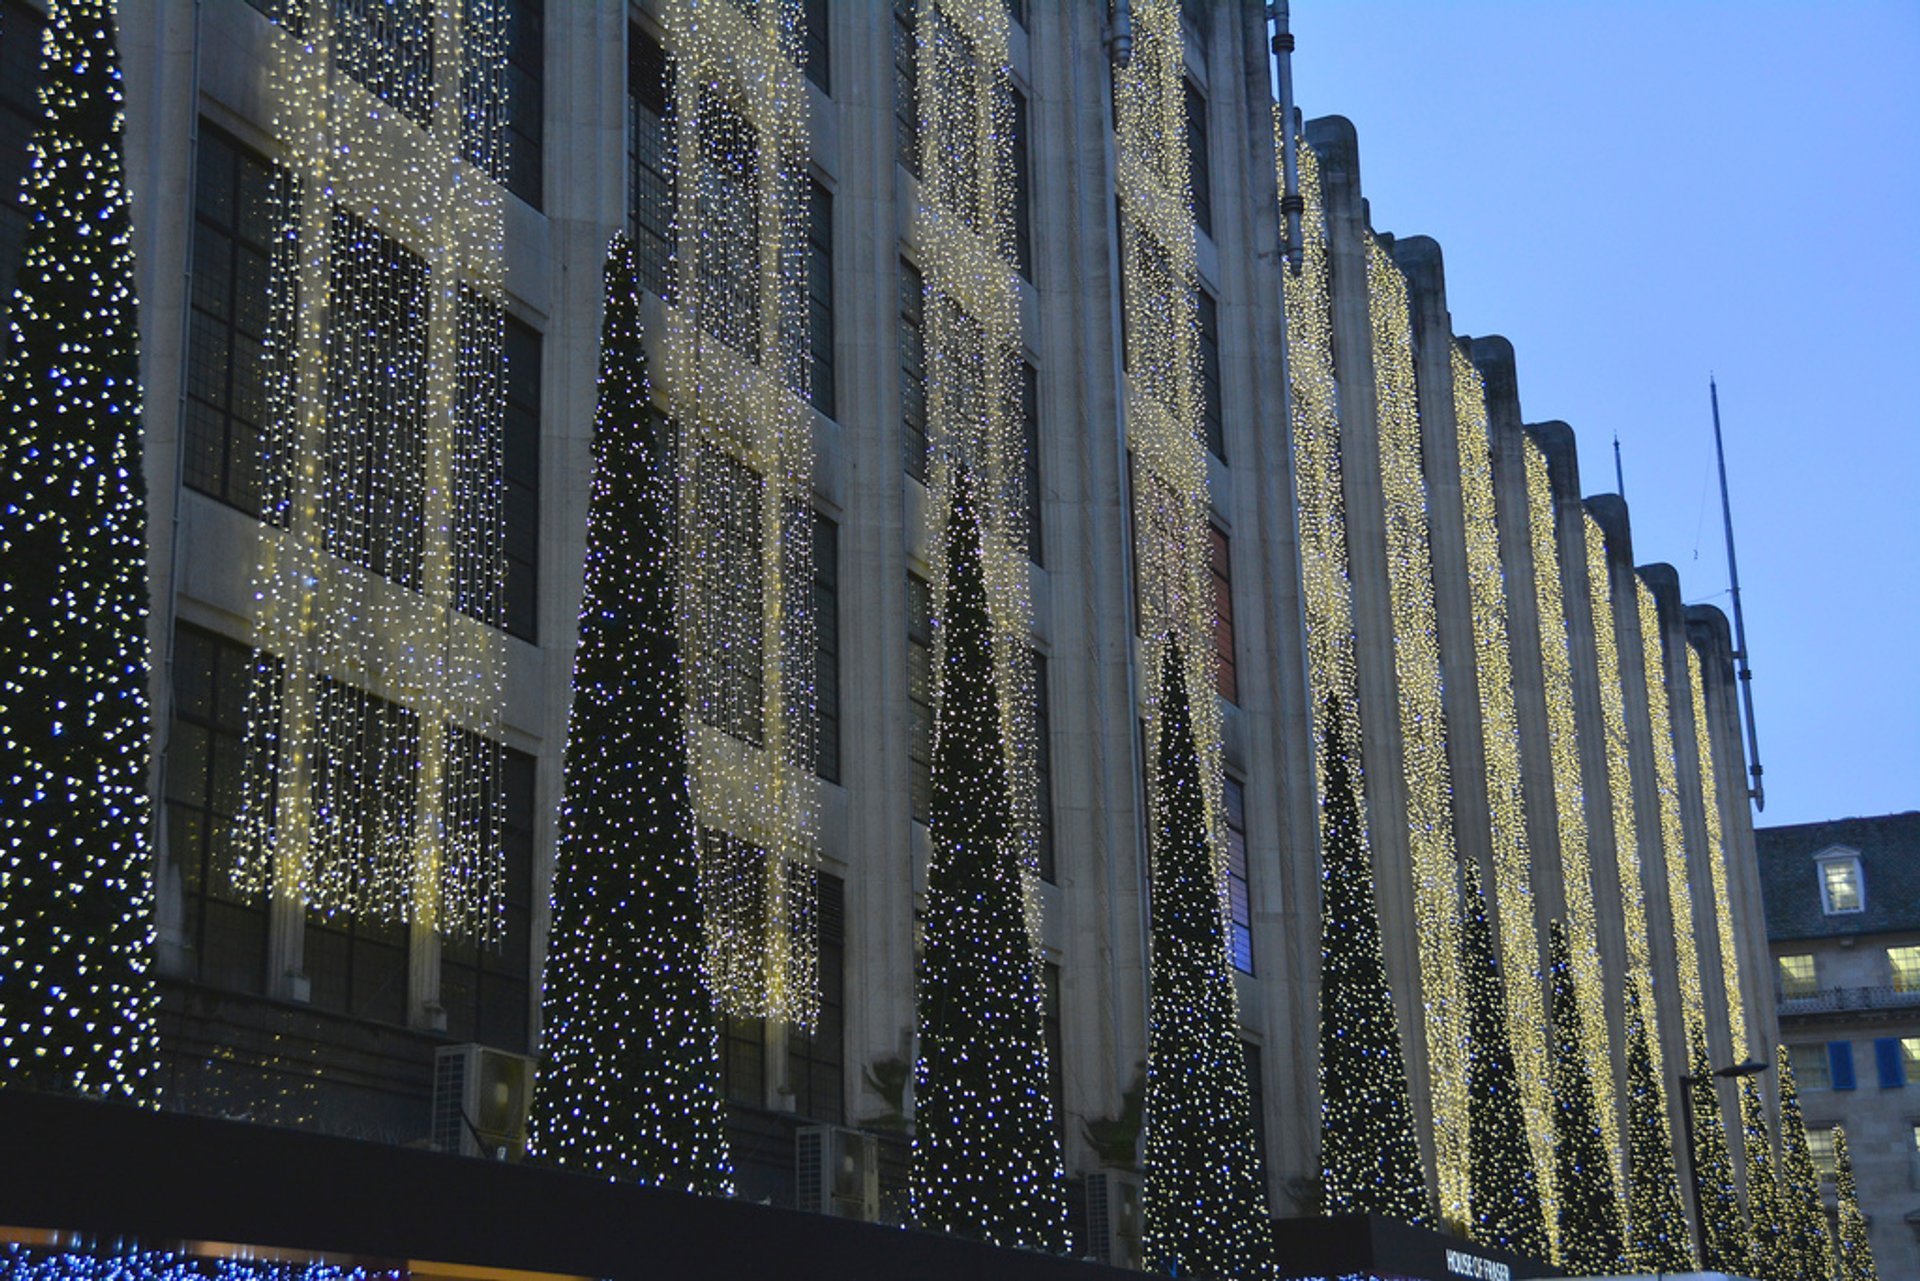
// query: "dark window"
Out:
[374,498]
[1840,1064]
[913,369]
[1017,11]
[1050,1031]
[1199,164]
[650,190]
[1211,418]
[919,697]
[818,48]
[743,1060]
[826,631]
[520,471]
[1022,188]
[1030,425]
[1226,680]
[816,1058]
[19,117]
[1198,15]
[504,121]
[477,564]
[1043,762]
[206,763]
[387,45]
[906,96]
[484,989]
[290,13]
[732,607]
[728,249]
[1239,897]
[1257,1104]
[820,297]
[240,237]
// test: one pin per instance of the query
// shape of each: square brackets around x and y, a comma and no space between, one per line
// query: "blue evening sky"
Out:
[1636,194]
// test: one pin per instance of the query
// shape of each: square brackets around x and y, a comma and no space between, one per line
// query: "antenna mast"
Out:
[1758,792]
[1619,474]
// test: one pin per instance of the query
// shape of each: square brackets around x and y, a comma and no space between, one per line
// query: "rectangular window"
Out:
[743,1060]
[1820,1146]
[1810,1067]
[1022,188]
[205,767]
[1043,762]
[816,1059]
[1050,1028]
[732,608]
[826,632]
[1226,677]
[1257,1105]
[239,229]
[19,115]
[919,697]
[913,369]
[1840,887]
[292,14]
[1910,1056]
[1903,966]
[1199,161]
[374,501]
[728,206]
[1239,896]
[1212,419]
[820,298]
[1797,978]
[1840,1065]
[1030,425]
[1890,1062]
[387,45]
[817,49]
[526,98]
[484,989]
[520,472]
[650,189]
[1017,11]
[906,95]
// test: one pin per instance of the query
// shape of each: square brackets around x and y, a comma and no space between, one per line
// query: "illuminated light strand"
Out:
[1626,842]
[1500,727]
[76,881]
[1576,864]
[1673,838]
[1717,861]
[735,376]
[34,1262]
[1429,783]
[371,785]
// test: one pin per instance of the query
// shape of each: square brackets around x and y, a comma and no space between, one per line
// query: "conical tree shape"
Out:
[1766,1249]
[986,1153]
[1852,1252]
[1727,1245]
[1205,1206]
[629,1079]
[1503,1185]
[1805,1253]
[1656,1217]
[1368,1154]
[76,875]
[1592,1239]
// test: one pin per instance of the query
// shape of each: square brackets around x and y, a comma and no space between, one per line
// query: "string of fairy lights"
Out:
[1500,730]
[1717,859]
[735,377]
[1428,777]
[371,780]
[1563,742]
[1673,840]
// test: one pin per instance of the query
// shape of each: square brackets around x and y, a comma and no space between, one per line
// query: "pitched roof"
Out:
[1889,849]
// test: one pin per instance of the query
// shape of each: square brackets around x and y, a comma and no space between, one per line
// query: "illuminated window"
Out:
[650,190]
[919,697]
[483,989]
[1810,1071]
[816,1059]
[1797,980]
[1239,896]
[913,370]
[1910,1056]
[826,633]
[1904,965]
[1226,677]
[1820,1145]
[1841,889]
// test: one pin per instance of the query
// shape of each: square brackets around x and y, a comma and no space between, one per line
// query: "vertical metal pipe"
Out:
[1759,789]
[1292,206]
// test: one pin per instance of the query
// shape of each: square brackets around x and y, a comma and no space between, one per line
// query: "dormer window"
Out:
[1842,889]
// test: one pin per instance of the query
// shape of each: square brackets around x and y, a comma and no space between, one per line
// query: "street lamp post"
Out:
[1687,1082]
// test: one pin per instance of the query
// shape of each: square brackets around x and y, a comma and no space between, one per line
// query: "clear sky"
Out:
[1637,194]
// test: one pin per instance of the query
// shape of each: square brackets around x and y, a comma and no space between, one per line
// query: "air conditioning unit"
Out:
[1113,1218]
[481,1097]
[837,1172]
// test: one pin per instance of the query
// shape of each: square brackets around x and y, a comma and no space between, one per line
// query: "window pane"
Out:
[1840,878]
[1797,979]
[1904,964]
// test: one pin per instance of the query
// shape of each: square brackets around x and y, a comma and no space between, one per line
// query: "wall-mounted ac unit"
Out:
[1113,1218]
[837,1172]
[481,1097]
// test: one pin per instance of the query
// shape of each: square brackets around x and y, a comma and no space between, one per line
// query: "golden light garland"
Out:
[1423,739]
[1569,796]
[1673,839]
[1717,861]
[379,574]
[1626,840]
[1506,797]
[736,371]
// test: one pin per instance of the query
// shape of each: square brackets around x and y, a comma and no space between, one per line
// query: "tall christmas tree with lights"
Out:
[76,896]
[1368,1154]
[1505,1191]
[1205,1208]
[1768,1241]
[1805,1251]
[629,1078]
[1656,1218]
[986,1153]
[1726,1245]
[1853,1253]
[1591,1237]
